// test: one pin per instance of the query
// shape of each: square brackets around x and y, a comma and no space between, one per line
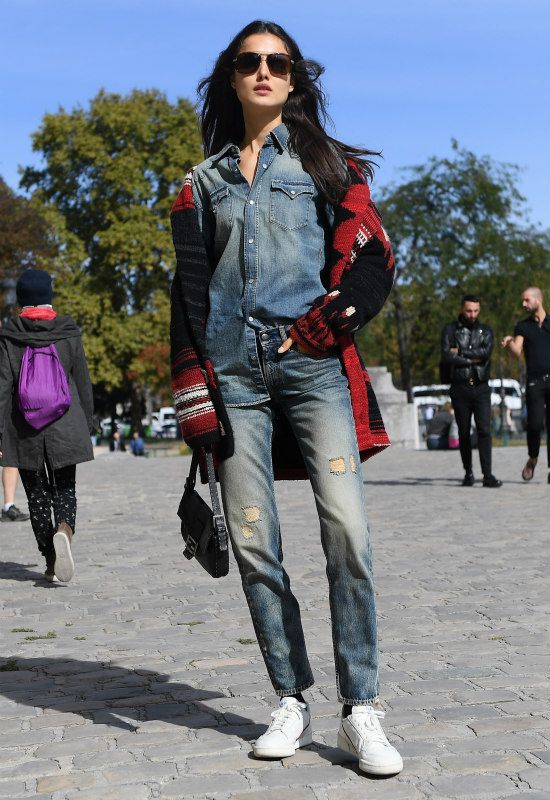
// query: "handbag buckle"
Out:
[221,530]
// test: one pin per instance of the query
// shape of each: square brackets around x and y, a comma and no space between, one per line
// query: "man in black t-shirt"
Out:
[532,335]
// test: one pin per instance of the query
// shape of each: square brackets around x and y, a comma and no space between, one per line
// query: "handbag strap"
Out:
[219,521]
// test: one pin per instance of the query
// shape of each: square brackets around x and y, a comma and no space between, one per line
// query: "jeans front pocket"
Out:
[290,202]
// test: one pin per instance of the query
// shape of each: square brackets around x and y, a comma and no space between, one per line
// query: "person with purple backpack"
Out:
[46,409]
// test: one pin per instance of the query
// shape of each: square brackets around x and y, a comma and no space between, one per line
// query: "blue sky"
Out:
[403,77]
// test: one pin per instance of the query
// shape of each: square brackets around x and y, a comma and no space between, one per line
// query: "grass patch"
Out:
[246,641]
[193,622]
[80,638]
[497,638]
[49,635]
[68,624]
[22,630]
[9,666]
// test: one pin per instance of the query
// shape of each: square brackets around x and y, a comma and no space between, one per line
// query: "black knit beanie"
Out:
[34,288]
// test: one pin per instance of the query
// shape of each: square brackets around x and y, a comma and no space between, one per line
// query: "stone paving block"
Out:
[277,794]
[234,761]
[29,769]
[308,776]
[536,778]
[9,789]
[103,760]
[509,724]
[135,792]
[485,762]
[388,789]
[139,773]
[496,742]
[63,749]
[471,786]
[60,783]
[189,785]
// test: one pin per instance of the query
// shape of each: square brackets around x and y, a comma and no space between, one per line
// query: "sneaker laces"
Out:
[367,723]
[282,715]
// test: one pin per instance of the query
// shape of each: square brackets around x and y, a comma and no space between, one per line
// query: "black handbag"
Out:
[203,528]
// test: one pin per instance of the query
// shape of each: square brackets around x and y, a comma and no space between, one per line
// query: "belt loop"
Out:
[283,333]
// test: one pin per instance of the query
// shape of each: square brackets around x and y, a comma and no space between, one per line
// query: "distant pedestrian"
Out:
[10,512]
[45,415]
[532,336]
[466,347]
[437,431]
[137,445]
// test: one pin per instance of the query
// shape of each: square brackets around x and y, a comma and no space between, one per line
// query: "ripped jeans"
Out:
[313,394]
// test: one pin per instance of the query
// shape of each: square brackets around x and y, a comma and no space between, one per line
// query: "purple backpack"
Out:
[44,394]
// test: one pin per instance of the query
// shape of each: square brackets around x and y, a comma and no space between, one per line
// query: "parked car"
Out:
[436,394]
[164,424]
[513,397]
[123,426]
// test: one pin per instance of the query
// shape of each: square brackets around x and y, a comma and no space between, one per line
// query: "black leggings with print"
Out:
[47,489]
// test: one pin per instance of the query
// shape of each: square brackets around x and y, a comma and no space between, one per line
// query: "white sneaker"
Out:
[362,734]
[290,729]
[64,564]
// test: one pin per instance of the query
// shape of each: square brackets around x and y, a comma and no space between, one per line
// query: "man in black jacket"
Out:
[466,347]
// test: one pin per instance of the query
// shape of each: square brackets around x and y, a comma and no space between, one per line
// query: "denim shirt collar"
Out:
[278,136]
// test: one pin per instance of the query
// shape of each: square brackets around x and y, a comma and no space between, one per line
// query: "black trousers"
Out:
[476,400]
[538,408]
[46,489]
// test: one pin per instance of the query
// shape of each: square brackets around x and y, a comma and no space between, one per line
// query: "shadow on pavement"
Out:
[415,482]
[100,691]
[11,571]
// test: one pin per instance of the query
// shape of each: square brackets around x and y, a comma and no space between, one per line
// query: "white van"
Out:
[436,394]
[164,423]
[512,393]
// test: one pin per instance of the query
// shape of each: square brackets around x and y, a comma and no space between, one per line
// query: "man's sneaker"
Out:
[64,564]
[362,734]
[468,479]
[491,482]
[50,568]
[290,729]
[13,515]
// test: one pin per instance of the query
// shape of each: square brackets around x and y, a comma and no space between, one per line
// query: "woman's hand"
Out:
[287,344]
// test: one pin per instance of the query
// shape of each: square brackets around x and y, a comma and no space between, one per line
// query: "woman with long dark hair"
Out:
[281,257]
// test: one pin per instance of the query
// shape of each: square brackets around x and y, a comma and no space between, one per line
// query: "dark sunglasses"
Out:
[279,64]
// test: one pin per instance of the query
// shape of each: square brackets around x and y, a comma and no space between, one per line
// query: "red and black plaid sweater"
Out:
[359,277]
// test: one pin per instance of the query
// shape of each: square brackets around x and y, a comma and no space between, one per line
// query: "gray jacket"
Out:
[67,440]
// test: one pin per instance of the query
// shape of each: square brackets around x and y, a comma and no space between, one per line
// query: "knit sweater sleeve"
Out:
[193,379]
[363,289]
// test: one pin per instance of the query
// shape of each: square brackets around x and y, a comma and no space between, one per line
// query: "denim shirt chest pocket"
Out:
[221,205]
[290,203]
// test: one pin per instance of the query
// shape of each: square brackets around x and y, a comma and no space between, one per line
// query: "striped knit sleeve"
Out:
[194,408]
[360,295]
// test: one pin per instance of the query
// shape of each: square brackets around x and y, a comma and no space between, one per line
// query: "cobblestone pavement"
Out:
[142,679]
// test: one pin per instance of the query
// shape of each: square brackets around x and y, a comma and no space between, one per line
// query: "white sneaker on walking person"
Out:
[290,728]
[361,733]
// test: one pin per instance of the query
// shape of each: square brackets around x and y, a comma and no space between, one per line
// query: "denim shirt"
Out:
[267,246]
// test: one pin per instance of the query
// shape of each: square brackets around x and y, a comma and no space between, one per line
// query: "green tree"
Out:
[110,173]
[455,227]
[25,235]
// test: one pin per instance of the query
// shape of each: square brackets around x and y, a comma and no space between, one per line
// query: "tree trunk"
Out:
[136,397]
[402,340]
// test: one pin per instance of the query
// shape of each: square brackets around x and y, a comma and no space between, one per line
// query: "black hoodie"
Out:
[66,441]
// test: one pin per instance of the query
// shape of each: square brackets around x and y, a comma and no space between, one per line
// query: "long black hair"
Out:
[304,113]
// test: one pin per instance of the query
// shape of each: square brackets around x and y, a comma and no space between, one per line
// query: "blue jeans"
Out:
[313,394]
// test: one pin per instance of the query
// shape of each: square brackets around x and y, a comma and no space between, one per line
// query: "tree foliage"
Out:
[108,177]
[456,225]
